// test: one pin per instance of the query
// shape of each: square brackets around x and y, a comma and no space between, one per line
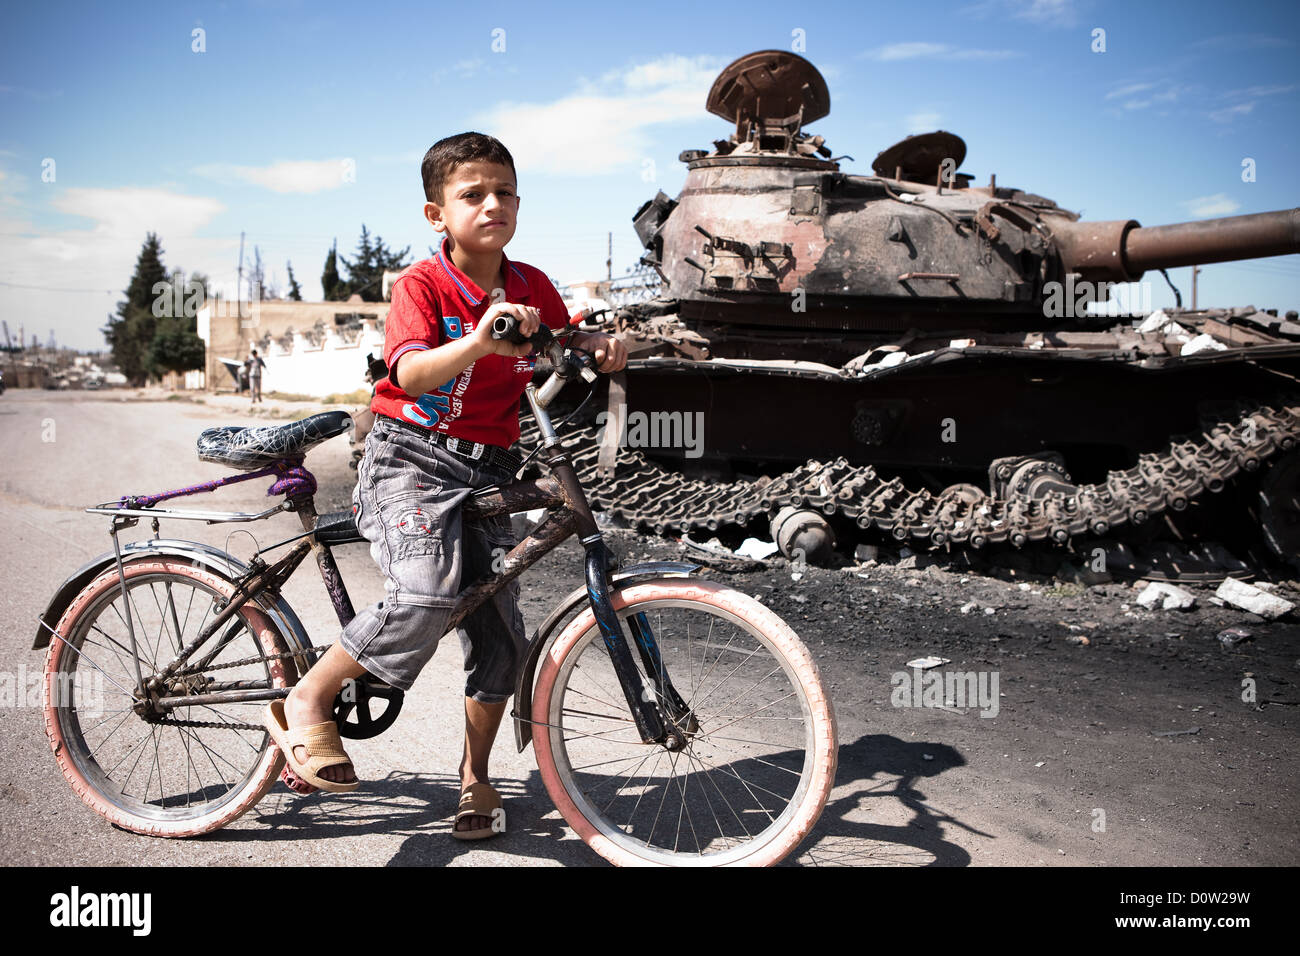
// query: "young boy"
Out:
[444,420]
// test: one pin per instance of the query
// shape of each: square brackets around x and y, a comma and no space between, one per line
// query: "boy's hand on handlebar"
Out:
[610,354]
[528,318]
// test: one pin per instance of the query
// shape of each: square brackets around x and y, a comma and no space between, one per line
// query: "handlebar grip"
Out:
[507,327]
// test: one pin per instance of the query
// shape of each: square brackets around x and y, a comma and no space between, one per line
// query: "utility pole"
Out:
[609,261]
[1195,271]
[239,286]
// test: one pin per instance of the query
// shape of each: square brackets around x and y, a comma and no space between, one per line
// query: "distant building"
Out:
[310,348]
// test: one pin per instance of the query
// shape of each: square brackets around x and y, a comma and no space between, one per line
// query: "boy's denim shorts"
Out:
[408,506]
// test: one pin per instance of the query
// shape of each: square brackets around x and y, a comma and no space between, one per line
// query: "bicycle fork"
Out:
[650,703]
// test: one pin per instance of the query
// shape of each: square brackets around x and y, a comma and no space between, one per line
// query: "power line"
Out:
[45,288]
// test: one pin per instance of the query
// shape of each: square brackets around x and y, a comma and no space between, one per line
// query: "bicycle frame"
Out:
[567,512]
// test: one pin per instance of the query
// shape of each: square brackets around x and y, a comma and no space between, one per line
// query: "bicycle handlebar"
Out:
[507,327]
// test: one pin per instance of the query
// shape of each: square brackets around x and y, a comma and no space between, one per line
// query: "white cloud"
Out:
[1228,114]
[1161,91]
[1258,91]
[287,176]
[606,125]
[1056,13]
[922,122]
[1043,11]
[69,280]
[131,211]
[1241,41]
[919,50]
[1129,90]
[1217,205]
[461,69]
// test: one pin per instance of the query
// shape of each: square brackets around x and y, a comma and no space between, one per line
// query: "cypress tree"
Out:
[130,334]
[295,290]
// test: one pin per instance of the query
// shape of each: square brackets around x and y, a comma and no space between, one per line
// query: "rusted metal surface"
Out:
[815,313]
[516,497]
[1214,240]
[544,538]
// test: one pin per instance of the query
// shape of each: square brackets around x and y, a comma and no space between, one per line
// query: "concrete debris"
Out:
[1160,324]
[925,663]
[1252,599]
[1168,596]
[968,607]
[1232,636]
[756,549]
[1077,639]
[1202,343]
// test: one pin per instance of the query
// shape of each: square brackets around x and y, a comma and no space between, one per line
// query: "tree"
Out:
[295,290]
[176,347]
[258,286]
[334,288]
[131,333]
[366,270]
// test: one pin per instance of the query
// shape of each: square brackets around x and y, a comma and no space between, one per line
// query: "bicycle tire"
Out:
[72,673]
[814,742]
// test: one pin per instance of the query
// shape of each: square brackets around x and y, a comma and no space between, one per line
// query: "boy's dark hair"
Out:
[445,155]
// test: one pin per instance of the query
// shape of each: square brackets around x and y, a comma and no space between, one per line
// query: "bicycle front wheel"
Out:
[760,759]
[194,768]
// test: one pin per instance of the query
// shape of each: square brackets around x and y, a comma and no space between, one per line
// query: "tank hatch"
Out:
[919,159]
[768,94]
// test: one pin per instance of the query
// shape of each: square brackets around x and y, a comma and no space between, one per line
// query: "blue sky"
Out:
[301,121]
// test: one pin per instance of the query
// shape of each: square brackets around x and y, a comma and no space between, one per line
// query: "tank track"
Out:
[648,496]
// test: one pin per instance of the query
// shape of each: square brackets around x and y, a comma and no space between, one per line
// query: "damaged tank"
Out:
[912,355]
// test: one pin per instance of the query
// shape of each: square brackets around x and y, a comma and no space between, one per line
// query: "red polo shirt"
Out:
[434,302]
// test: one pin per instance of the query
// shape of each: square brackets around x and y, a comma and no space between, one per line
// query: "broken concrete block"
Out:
[1168,596]
[1202,343]
[1252,599]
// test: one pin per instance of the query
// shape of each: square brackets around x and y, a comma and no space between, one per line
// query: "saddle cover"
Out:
[248,448]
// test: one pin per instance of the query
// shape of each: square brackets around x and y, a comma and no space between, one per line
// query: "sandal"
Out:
[322,742]
[480,800]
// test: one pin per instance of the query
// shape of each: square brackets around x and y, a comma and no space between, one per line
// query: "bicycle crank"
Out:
[352,708]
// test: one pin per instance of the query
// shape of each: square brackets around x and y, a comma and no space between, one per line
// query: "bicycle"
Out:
[733,768]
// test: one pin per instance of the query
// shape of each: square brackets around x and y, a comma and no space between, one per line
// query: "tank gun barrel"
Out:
[1121,250]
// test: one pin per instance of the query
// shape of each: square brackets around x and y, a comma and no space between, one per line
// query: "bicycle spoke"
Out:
[150,773]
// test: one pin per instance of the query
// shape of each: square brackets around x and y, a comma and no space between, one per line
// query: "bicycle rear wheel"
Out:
[199,767]
[753,778]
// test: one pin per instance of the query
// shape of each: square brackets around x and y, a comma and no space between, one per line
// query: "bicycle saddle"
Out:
[255,446]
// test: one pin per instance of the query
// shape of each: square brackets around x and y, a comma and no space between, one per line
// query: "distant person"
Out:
[254,364]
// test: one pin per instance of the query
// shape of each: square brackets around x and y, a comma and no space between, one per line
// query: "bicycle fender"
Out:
[541,639]
[204,555]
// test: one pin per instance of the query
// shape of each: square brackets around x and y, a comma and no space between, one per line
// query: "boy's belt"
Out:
[491,456]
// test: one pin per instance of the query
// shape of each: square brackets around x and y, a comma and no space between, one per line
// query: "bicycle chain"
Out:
[169,722]
[191,671]
[649,496]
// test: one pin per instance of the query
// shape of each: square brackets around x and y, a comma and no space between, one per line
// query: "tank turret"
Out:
[768,215]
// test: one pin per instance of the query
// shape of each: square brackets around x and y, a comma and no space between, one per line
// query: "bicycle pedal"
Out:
[295,782]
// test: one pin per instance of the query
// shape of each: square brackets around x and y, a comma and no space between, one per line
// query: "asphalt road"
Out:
[1080,728]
